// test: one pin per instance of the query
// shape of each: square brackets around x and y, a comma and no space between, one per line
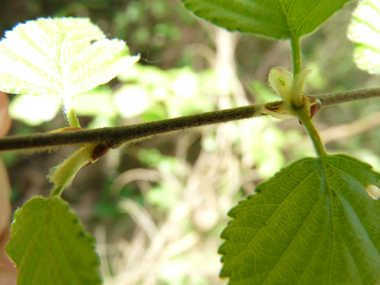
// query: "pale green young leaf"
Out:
[278,19]
[312,223]
[50,246]
[364,31]
[59,57]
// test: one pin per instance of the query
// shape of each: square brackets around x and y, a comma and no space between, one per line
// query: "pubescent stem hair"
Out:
[113,137]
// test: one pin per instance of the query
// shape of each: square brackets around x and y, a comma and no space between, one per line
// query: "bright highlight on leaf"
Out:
[59,57]
[278,19]
[50,246]
[364,31]
[312,223]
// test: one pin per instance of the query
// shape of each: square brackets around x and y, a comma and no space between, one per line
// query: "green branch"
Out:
[115,136]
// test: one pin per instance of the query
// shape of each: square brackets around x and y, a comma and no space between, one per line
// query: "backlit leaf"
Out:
[364,31]
[312,223]
[59,57]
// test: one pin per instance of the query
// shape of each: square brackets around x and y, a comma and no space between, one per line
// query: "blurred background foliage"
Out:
[157,207]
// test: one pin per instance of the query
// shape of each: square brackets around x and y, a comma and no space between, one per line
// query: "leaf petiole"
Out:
[72,117]
[296,55]
[303,116]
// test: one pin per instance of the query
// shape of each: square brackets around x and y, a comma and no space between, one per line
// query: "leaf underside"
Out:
[59,57]
[309,224]
[277,19]
[364,31]
[49,245]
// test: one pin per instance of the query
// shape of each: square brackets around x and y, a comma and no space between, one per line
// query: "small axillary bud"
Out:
[279,111]
[281,81]
[291,91]
[313,105]
[297,88]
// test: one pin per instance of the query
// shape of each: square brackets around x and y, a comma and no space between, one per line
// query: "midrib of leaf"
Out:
[330,201]
[305,19]
[286,15]
[63,69]
[299,228]
[345,205]
[308,16]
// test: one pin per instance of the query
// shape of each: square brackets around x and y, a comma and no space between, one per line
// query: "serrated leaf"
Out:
[278,19]
[364,31]
[312,223]
[59,57]
[49,245]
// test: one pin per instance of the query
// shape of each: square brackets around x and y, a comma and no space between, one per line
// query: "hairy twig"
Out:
[113,137]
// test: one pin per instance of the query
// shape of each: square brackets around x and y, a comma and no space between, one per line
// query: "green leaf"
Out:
[278,19]
[49,245]
[312,223]
[364,31]
[59,57]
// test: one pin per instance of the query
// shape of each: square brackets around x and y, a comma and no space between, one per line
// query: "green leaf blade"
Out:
[49,246]
[59,57]
[310,224]
[275,19]
[246,17]
[364,32]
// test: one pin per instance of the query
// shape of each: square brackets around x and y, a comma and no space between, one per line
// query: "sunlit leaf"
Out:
[312,223]
[364,31]
[278,19]
[49,245]
[59,57]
